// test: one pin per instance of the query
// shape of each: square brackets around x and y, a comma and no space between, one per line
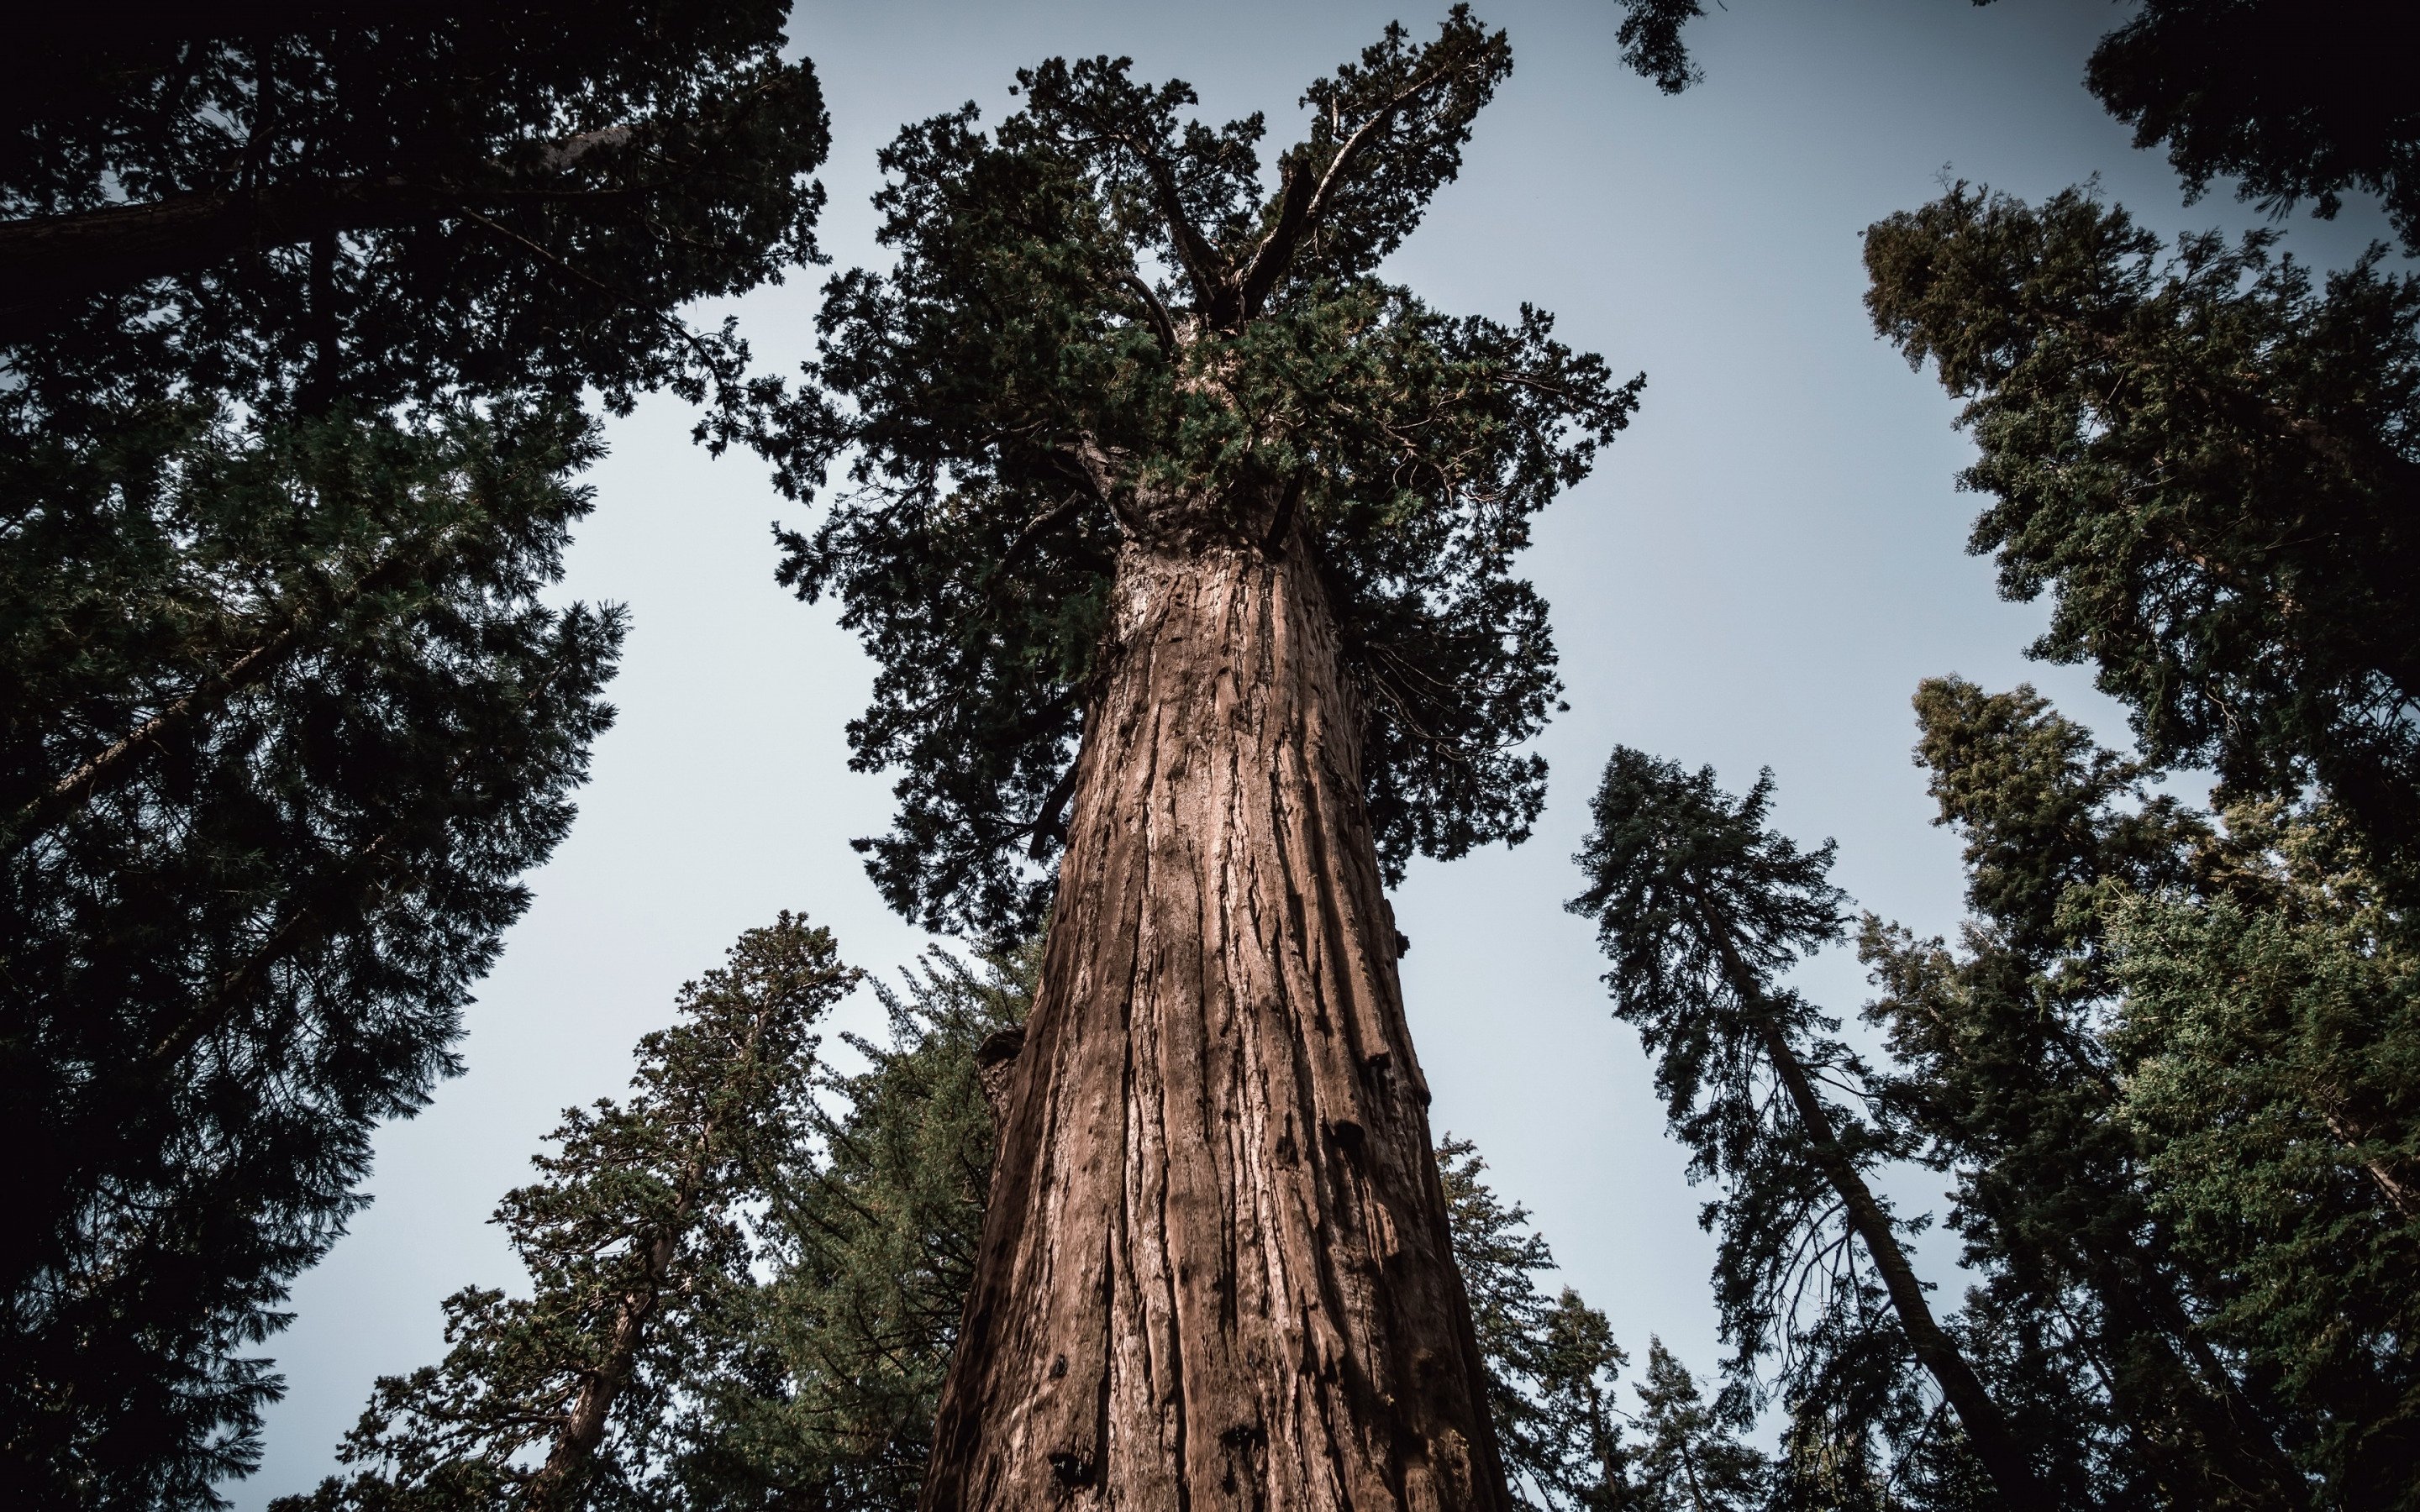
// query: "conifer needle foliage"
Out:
[2165,1065]
[2212,463]
[302,305]
[1702,907]
[283,726]
[375,203]
[640,1262]
[1097,312]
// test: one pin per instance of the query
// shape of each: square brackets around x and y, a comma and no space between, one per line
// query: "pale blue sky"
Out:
[1759,574]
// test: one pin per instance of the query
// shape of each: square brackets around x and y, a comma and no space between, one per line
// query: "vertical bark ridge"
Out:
[1214,1269]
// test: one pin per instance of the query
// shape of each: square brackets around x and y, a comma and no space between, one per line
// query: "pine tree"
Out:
[343,727]
[1147,455]
[1702,907]
[2271,1030]
[869,1235]
[2000,1071]
[1690,1458]
[2210,463]
[1551,1365]
[2139,1043]
[303,304]
[639,1260]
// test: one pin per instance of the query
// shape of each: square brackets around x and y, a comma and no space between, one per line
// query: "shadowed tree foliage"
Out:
[2272,1032]
[312,725]
[2295,101]
[1146,454]
[1690,1458]
[869,1238]
[1700,905]
[1552,1366]
[2211,464]
[399,202]
[640,1261]
[2131,1066]
[1650,41]
[301,306]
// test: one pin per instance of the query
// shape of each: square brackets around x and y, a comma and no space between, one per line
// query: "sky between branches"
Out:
[1759,574]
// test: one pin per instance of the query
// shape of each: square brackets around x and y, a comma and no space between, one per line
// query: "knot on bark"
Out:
[1350,1139]
[1074,1471]
[995,1065]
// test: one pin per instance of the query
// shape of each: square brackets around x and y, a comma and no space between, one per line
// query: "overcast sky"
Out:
[1757,575]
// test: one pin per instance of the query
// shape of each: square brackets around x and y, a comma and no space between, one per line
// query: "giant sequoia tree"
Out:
[1149,455]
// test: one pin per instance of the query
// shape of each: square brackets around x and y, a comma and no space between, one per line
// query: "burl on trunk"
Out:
[1215,1268]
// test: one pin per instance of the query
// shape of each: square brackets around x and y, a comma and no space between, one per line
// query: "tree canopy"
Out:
[283,725]
[1702,907]
[303,304]
[1100,328]
[2133,1049]
[639,1253]
[398,204]
[2210,461]
[2294,101]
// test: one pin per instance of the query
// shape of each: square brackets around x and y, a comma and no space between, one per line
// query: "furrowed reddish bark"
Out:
[1215,1269]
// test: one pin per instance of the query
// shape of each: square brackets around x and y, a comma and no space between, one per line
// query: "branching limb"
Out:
[1048,826]
[1304,206]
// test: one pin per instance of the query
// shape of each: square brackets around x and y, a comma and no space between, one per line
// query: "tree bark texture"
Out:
[1215,1269]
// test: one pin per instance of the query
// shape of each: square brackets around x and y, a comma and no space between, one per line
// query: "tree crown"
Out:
[1101,330]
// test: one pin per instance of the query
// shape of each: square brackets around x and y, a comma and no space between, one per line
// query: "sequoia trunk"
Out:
[1215,1268]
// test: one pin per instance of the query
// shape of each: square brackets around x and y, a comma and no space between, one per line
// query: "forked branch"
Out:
[1301,209]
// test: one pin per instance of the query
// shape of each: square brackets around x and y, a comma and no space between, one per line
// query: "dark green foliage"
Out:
[1690,1458]
[1551,1365]
[225,965]
[870,1239]
[1701,908]
[1650,41]
[503,200]
[2294,101]
[1696,898]
[2165,1070]
[1100,329]
[2272,1032]
[639,1255]
[281,720]
[2208,462]
[1997,1067]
